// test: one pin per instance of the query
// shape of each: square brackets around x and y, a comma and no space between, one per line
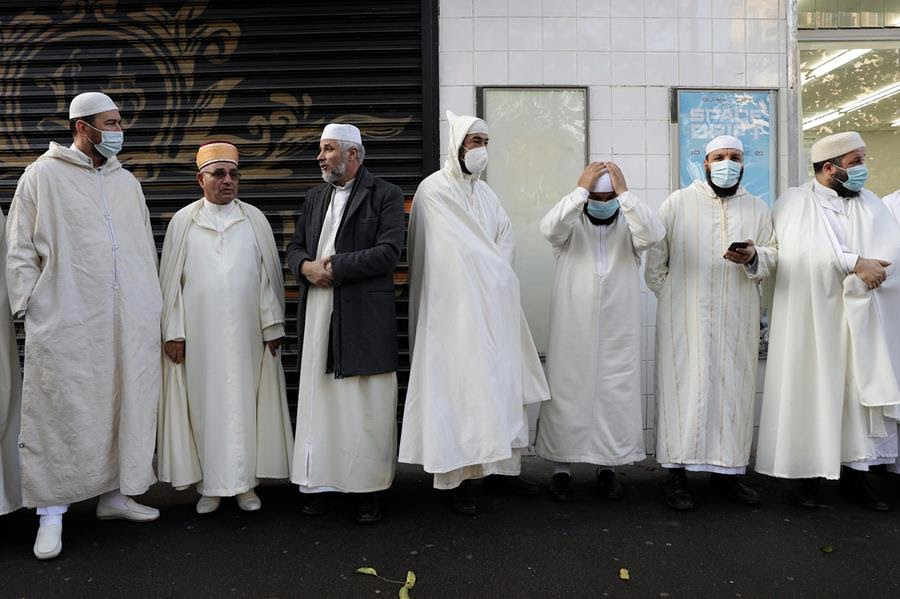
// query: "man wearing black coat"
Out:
[347,242]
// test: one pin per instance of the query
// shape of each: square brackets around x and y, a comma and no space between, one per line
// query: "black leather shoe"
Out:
[808,493]
[318,504]
[678,495]
[368,509]
[560,485]
[514,485]
[734,487]
[610,487]
[855,488]
[464,500]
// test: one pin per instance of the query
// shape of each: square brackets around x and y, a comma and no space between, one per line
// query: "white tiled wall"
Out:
[629,53]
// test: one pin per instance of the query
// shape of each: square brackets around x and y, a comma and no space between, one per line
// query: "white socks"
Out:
[52,519]
[52,514]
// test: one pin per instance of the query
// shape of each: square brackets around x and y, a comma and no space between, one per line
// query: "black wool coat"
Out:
[363,332]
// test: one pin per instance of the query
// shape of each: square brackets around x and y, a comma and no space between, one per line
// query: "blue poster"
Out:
[747,115]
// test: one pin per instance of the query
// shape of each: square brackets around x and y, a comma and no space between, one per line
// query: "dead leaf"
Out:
[410,579]
[623,574]
[826,548]
[370,571]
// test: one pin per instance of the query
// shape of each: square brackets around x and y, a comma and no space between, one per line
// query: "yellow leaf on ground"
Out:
[827,548]
[623,574]
[404,592]
[410,579]
[367,571]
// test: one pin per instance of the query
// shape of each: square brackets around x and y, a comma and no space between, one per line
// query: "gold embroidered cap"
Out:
[216,151]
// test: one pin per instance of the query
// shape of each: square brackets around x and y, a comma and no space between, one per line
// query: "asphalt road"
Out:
[516,547]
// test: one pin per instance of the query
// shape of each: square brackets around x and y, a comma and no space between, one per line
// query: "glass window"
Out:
[851,87]
[531,169]
[848,14]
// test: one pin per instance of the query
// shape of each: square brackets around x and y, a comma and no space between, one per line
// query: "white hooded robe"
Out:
[81,267]
[474,365]
[10,396]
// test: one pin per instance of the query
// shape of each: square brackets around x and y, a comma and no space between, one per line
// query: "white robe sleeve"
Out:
[504,239]
[175,329]
[645,227]
[766,250]
[558,224]
[271,318]
[656,267]
[23,263]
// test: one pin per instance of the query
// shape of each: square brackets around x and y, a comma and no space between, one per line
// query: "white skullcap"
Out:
[90,103]
[836,145]
[341,132]
[603,184]
[478,126]
[724,141]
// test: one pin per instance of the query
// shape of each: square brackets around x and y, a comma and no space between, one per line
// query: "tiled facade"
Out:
[629,53]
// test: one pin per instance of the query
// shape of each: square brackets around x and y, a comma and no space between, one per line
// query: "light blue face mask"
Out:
[856,177]
[602,210]
[110,142]
[725,173]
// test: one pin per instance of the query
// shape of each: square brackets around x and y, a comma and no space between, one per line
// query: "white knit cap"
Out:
[836,145]
[90,103]
[603,184]
[342,132]
[724,141]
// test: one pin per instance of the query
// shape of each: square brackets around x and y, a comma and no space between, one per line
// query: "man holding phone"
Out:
[705,273]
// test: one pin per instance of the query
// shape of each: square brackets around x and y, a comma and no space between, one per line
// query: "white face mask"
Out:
[476,159]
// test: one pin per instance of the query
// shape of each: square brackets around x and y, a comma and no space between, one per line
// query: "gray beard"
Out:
[335,173]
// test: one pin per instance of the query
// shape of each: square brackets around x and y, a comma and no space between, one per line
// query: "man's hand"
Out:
[591,173]
[175,351]
[616,177]
[871,271]
[742,255]
[274,344]
[318,272]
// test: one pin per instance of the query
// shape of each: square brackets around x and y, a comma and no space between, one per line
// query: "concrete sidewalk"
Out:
[516,547]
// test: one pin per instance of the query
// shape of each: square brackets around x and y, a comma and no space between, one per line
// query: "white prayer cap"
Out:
[722,142]
[603,184]
[342,132]
[90,103]
[478,126]
[836,145]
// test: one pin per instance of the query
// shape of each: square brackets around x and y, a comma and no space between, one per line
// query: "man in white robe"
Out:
[347,242]
[474,365]
[224,419]
[832,390]
[598,233]
[705,273]
[10,396]
[893,203]
[81,269]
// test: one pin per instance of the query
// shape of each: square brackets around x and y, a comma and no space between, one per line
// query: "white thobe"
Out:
[832,386]
[474,365]
[10,396]
[227,310]
[594,357]
[892,201]
[346,428]
[707,327]
[81,266]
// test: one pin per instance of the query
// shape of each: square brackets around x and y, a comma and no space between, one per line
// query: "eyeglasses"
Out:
[220,173]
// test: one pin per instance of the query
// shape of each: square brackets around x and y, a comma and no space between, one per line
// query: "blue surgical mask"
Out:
[856,177]
[602,210]
[110,142]
[725,173]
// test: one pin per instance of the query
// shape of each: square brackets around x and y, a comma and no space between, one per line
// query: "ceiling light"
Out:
[821,119]
[871,98]
[835,62]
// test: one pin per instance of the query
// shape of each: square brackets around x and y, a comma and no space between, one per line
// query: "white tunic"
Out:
[227,310]
[707,327]
[594,357]
[346,428]
[81,265]
[832,386]
[474,365]
[10,396]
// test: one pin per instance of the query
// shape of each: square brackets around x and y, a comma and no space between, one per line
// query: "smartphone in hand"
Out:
[738,245]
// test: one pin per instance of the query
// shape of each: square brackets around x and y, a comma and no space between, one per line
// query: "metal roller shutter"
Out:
[264,75]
